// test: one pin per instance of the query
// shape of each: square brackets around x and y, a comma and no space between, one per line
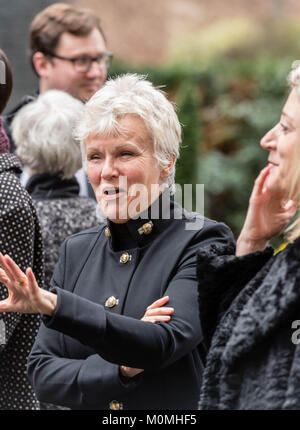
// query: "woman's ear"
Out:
[166,171]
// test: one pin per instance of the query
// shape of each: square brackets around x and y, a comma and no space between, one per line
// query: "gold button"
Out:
[147,228]
[111,302]
[115,405]
[107,232]
[124,257]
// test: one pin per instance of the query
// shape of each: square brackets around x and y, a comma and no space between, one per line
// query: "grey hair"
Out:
[43,134]
[133,94]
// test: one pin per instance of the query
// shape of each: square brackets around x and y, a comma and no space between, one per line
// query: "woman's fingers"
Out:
[130,372]
[259,183]
[158,314]
[5,306]
[6,267]
[10,285]
[3,277]
[159,311]
[154,319]
[33,285]
[16,272]
[160,302]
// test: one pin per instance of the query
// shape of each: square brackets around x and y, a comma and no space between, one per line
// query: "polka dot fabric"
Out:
[20,237]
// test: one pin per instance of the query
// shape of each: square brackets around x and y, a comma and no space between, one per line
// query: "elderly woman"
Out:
[20,237]
[93,350]
[42,132]
[254,357]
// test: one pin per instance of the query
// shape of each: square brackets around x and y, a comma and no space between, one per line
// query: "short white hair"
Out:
[132,94]
[43,134]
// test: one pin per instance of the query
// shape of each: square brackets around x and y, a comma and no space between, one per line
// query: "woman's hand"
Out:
[158,312]
[268,213]
[24,294]
[155,312]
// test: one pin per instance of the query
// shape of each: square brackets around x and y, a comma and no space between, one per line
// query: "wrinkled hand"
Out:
[24,294]
[155,312]
[268,213]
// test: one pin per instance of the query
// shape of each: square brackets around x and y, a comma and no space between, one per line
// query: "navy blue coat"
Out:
[76,357]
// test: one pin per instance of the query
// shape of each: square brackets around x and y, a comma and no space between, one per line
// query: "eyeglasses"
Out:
[83,64]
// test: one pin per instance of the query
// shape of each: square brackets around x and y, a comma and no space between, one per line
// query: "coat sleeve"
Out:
[63,380]
[221,276]
[124,340]
[75,383]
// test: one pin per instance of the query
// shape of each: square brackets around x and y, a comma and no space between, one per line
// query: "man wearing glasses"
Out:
[68,52]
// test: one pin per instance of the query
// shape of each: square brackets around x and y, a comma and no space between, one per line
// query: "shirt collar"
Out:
[44,186]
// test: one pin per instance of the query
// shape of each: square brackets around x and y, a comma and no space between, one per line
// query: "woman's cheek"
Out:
[93,171]
[130,172]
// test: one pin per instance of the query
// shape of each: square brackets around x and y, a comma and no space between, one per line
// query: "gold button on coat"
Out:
[146,228]
[115,405]
[107,232]
[111,302]
[124,257]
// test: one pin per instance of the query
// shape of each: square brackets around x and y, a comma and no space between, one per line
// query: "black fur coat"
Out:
[247,307]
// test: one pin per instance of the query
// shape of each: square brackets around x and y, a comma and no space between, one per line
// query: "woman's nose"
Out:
[269,141]
[109,169]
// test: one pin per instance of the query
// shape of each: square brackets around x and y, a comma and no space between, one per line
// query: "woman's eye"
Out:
[126,154]
[93,157]
[284,127]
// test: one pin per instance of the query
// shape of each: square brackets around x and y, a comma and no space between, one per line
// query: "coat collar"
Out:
[10,162]
[142,230]
[46,186]
[267,302]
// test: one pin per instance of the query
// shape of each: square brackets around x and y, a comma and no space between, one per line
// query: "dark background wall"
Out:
[15,18]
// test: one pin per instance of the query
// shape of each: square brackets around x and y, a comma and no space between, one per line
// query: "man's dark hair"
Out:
[6,81]
[49,24]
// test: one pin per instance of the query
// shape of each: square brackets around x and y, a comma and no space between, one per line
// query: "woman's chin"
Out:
[113,214]
[275,185]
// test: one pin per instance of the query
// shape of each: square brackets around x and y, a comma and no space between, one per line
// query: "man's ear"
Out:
[166,171]
[41,64]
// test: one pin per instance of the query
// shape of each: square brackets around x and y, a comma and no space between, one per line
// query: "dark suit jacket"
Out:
[75,360]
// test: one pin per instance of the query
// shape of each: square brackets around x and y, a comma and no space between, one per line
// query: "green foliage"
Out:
[186,168]
[246,103]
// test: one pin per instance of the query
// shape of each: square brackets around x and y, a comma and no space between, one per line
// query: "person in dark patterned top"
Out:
[20,237]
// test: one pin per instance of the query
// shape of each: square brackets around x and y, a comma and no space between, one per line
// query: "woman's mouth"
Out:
[111,194]
[272,164]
